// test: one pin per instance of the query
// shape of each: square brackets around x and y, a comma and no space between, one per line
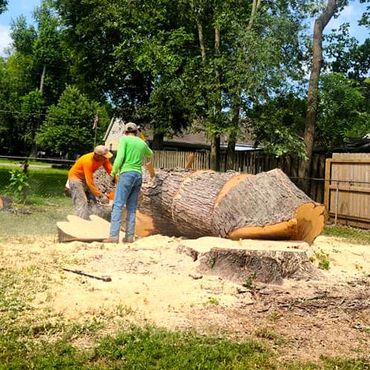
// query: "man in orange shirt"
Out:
[81,180]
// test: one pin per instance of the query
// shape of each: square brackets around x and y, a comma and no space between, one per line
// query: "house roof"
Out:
[355,146]
[188,140]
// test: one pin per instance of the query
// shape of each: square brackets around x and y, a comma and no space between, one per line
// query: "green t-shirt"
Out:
[130,154]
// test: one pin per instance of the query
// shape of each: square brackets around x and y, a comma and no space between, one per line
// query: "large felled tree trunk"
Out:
[230,205]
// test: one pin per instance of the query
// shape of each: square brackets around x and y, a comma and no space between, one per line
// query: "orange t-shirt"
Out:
[84,168]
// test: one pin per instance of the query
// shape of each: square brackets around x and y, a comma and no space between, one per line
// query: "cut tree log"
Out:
[230,205]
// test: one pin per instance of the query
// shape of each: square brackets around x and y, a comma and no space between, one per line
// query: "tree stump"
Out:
[5,202]
[247,261]
[229,205]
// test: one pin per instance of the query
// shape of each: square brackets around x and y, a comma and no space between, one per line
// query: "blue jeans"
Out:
[127,193]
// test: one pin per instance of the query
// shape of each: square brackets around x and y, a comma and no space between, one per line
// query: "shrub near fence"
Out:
[46,182]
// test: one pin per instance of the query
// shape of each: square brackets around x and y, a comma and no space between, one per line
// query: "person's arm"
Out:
[89,178]
[148,152]
[120,158]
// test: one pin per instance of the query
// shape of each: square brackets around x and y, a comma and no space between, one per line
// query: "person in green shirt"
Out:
[128,164]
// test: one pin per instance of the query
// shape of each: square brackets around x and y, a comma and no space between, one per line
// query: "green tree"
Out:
[343,112]
[15,82]
[332,6]
[345,55]
[3,4]
[32,114]
[39,60]
[137,54]
[67,130]
[51,57]
[22,35]
[214,57]
[278,123]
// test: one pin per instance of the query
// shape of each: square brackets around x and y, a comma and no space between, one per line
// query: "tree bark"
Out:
[229,205]
[230,157]
[216,140]
[42,79]
[309,134]
[255,6]
[157,143]
[230,154]
[201,41]
[215,153]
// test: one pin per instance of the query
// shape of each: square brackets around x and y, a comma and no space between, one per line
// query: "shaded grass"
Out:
[46,203]
[351,234]
[44,183]
[35,220]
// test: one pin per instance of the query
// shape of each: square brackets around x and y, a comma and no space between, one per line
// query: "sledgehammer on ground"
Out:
[79,272]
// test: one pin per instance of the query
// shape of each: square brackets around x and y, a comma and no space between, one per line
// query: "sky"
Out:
[350,14]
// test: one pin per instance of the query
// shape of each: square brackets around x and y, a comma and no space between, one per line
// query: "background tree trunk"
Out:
[230,154]
[309,134]
[157,143]
[215,153]
[230,158]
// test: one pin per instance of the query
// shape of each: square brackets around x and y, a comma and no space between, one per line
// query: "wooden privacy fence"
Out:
[252,162]
[347,189]
[174,159]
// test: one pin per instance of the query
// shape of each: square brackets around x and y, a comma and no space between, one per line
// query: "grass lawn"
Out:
[44,183]
[352,234]
[32,347]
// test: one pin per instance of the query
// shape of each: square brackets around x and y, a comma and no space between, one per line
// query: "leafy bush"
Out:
[18,185]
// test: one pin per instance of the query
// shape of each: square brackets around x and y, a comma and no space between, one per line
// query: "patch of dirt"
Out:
[153,283]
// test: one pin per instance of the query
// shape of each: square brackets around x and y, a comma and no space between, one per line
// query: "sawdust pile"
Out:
[153,283]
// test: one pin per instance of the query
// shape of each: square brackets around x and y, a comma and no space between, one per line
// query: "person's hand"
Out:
[103,199]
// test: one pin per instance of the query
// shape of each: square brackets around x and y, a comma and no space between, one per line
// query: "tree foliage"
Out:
[207,64]
[68,127]
[278,124]
[3,4]
[31,115]
[346,55]
[343,112]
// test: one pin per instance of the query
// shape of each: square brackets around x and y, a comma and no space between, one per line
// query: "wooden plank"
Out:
[327,184]
[78,229]
[352,160]
[350,155]
[350,189]
[354,223]
[353,218]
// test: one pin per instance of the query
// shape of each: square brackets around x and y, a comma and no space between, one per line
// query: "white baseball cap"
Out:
[104,151]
